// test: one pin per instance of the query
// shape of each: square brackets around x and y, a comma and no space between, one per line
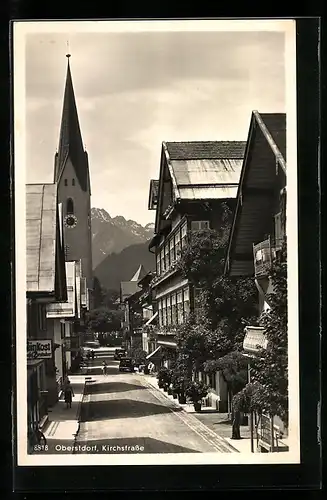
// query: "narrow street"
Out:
[122,414]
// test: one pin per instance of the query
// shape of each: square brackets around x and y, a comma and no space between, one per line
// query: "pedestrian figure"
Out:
[92,354]
[69,394]
[104,367]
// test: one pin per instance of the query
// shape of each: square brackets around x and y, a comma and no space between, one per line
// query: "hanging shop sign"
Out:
[39,349]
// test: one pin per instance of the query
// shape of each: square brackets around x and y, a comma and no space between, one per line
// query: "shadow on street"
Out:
[120,408]
[109,387]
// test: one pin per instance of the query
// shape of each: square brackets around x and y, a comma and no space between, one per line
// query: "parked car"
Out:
[119,353]
[90,345]
[126,365]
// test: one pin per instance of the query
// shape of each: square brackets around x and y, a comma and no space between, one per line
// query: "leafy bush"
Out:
[196,391]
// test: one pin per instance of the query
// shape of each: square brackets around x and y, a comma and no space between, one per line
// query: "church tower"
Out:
[71,173]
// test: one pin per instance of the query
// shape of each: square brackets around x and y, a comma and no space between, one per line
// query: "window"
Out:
[62,330]
[73,182]
[169,310]
[213,381]
[197,225]
[70,206]
[183,235]
[171,250]
[162,260]
[177,244]
[186,300]
[164,312]
[180,307]
[197,300]
[66,252]
[66,183]
[160,312]
[167,263]
[158,263]
[173,309]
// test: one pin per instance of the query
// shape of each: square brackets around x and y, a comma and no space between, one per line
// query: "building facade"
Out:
[45,284]
[130,305]
[259,225]
[196,179]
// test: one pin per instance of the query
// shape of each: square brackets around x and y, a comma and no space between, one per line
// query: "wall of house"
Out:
[218,395]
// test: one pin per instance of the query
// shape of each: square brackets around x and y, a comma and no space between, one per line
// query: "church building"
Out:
[71,174]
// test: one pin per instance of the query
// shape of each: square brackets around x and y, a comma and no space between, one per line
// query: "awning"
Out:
[254,339]
[153,352]
[167,344]
[151,319]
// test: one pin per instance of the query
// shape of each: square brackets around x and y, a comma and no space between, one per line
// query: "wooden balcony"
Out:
[263,255]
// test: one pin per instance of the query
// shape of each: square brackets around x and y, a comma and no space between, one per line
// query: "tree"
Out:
[97,292]
[268,390]
[224,305]
[103,319]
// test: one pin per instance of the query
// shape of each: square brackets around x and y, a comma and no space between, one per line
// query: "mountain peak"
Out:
[100,213]
[113,234]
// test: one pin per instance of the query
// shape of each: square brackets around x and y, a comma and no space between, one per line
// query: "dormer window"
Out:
[66,183]
[73,182]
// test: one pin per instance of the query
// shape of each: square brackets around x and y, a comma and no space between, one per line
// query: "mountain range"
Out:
[119,246]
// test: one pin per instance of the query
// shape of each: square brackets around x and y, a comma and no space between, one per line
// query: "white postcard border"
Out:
[20,30]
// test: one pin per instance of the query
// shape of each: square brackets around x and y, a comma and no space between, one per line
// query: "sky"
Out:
[136,89]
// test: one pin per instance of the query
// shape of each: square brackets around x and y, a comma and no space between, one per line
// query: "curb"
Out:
[87,380]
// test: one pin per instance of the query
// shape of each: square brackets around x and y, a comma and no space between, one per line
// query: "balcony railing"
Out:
[263,254]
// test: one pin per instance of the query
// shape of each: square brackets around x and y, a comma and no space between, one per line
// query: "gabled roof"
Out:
[263,175]
[70,139]
[200,170]
[205,150]
[41,233]
[140,273]
[204,170]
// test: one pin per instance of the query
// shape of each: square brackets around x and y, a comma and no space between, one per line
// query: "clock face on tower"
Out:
[70,221]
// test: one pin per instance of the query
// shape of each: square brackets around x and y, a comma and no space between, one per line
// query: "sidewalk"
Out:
[63,423]
[217,422]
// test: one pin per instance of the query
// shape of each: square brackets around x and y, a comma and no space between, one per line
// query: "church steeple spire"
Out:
[70,139]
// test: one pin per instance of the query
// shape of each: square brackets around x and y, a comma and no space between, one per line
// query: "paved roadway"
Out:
[122,413]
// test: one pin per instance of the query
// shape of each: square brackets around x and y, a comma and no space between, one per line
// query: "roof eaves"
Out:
[239,194]
[159,202]
[279,157]
[171,171]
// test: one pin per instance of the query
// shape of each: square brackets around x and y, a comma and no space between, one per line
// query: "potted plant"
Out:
[167,381]
[162,377]
[146,370]
[179,384]
[196,391]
